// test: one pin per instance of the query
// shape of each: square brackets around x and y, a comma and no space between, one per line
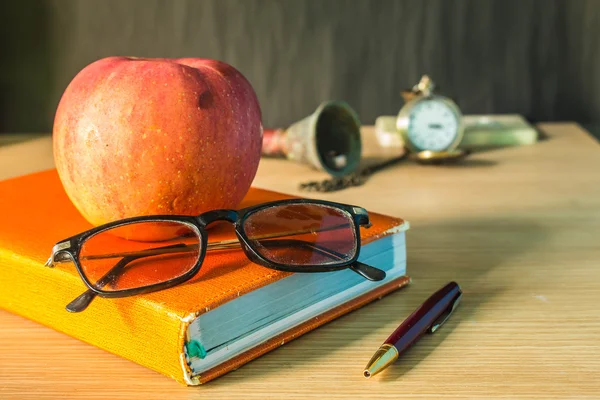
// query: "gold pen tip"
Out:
[382,358]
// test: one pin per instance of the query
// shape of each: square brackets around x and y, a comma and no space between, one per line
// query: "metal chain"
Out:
[355,179]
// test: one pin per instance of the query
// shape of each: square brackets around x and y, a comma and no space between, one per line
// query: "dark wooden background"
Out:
[539,58]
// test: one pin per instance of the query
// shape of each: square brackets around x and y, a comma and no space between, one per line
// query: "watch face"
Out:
[432,125]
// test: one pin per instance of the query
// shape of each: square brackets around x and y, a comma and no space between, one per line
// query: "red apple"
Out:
[137,136]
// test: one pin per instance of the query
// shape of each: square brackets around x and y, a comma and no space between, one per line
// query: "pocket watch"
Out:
[430,124]
[428,128]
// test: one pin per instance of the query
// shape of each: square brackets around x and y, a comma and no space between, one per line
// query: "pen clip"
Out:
[445,315]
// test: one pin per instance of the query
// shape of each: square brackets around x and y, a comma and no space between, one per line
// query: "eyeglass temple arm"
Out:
[364,270]
[83,301]
[367,271]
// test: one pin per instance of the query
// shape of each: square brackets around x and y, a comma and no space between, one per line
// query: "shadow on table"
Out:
[464,250]
[398,162]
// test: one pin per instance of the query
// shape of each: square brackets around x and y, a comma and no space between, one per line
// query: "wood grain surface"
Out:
[518,228]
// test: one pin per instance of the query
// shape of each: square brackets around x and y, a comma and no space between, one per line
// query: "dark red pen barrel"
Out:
[421,320]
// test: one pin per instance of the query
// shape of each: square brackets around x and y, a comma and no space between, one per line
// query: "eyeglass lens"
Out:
[302,234]
[139,255]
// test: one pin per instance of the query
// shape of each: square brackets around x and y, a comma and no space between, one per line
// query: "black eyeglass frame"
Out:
[69,249]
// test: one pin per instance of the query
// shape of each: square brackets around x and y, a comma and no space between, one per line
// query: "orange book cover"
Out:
[35,213]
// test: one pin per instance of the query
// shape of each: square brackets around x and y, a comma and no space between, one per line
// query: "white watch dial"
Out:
[432,125]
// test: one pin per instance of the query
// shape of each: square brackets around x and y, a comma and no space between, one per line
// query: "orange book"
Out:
[231,312]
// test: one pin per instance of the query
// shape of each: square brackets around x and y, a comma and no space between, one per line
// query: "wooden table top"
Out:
[518,228]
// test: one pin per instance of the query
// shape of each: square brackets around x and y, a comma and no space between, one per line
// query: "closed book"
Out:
[498,130]
[231,312]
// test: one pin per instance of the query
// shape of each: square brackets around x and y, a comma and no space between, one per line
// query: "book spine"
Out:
[132,327]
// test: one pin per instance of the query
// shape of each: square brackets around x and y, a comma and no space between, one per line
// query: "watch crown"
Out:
[425,85]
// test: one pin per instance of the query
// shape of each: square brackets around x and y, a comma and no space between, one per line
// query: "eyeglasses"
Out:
[145,254]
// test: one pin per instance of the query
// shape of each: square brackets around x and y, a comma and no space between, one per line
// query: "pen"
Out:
[427,318]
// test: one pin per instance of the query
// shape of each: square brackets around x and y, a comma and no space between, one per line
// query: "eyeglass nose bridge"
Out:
[218,215]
